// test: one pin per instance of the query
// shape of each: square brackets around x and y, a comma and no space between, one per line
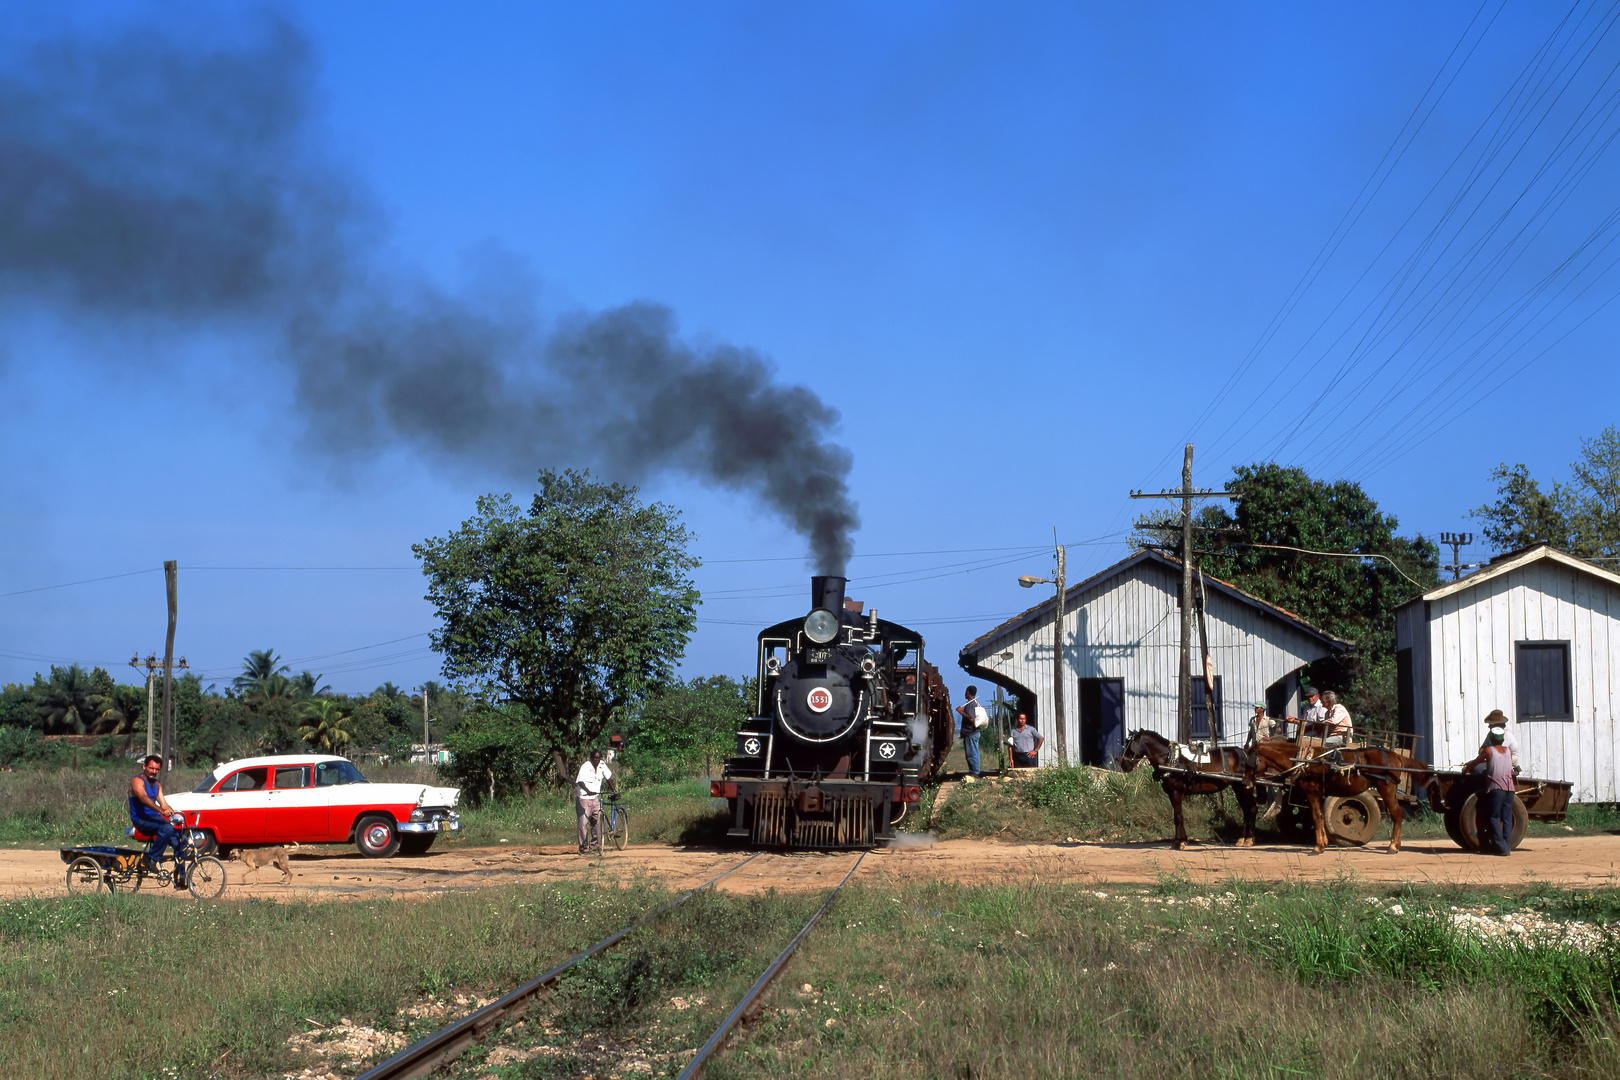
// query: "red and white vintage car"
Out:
[314,799]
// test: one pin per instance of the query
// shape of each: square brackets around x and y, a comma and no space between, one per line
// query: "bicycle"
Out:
[94,868]
[612,823]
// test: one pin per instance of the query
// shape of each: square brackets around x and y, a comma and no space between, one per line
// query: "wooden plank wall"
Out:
[1127,627]
[1472,636]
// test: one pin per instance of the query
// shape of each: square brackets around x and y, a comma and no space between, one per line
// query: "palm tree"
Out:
[115,712]
[273,685]
[388,691]
[325,725]
[257,665]
[309,685]
[68,708]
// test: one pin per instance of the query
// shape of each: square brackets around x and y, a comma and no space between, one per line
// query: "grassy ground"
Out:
[929,980]
[66,807]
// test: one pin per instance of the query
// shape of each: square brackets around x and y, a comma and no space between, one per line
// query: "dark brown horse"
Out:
[1180,777]
[1346,771]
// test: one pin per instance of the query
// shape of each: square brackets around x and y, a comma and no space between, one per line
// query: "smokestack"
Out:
[827,593]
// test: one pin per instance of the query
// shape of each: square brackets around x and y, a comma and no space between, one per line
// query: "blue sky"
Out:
[1023,250]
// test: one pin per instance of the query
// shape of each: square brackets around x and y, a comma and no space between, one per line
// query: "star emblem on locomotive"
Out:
[751,747]
[886,750]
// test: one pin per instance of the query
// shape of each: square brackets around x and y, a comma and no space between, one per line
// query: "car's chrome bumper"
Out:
[433,821]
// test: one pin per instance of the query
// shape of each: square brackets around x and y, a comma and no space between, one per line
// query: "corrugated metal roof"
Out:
[1514,560]
[1036,613]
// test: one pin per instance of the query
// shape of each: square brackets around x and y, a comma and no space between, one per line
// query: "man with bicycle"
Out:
[149,811]
[588,797]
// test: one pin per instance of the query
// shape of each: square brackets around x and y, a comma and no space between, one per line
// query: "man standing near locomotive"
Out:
[974,719]
[1026,744]
[588,797]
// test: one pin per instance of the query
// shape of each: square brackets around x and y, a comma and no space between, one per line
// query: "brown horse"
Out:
[1348,770]
[1181,778]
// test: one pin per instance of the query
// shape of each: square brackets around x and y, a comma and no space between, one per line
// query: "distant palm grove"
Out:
[265,709]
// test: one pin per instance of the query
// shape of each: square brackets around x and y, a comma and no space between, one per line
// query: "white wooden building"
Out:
[1535,634]
[1121,664]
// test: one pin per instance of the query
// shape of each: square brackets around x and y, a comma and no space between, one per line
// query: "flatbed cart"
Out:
[94,868]
[1533,800]
[1355,819]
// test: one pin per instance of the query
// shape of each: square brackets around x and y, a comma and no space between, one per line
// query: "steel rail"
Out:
[696,1064]
[426,1055]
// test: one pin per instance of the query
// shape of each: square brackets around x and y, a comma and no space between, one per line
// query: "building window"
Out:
[1541,672]
[1200,709]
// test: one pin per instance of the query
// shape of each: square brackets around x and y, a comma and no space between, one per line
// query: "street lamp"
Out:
[1029,581]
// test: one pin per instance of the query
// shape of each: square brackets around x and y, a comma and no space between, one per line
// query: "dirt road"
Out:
[335,873]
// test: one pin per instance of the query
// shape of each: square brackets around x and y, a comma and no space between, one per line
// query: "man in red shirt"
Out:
[1498,793]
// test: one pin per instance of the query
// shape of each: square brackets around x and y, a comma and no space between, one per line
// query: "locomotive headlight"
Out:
[821,627]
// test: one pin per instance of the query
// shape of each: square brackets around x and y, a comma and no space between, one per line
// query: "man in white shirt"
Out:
[588,798]
[1336,725]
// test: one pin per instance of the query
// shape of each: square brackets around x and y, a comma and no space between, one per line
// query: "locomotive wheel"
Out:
[1475,825]
[1353,819]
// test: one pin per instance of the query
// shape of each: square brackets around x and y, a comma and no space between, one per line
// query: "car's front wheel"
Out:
[376,837]
[203,840]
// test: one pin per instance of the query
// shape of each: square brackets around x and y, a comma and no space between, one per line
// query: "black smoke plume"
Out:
[142,177]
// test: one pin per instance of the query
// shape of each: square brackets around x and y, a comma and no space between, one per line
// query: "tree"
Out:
[67,707]
[325,725]
[309,685]
[575,610]
[678,730]
[1581,518]
[257,666]
[1354,599]
[273,685]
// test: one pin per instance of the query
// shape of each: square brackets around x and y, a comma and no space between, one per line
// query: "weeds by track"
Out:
[425,1056]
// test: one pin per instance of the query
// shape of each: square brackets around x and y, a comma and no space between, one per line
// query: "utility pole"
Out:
[152,666]
[1185,496]
[1029,581]
[1057,666]
[171,570]
[1455,541]
[427,742]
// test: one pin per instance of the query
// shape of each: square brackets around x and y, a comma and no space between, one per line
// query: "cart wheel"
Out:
[85,876]
[1454,829]
[1473,823]
[206,878]
[1353,819]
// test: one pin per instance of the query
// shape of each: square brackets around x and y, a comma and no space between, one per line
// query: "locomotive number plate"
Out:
[817,656]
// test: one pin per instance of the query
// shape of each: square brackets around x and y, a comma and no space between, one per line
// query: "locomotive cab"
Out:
[848,721]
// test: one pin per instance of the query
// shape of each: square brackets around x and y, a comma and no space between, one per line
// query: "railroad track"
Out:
[425,1056]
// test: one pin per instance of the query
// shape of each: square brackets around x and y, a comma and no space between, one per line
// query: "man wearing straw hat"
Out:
[1497,719]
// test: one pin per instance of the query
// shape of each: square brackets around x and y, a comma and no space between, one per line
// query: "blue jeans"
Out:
[970,747]
[167,836]
[1499,813]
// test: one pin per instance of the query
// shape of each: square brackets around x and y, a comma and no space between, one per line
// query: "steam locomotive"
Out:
[849,722]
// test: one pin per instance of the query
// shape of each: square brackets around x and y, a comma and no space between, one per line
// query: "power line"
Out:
[86,581]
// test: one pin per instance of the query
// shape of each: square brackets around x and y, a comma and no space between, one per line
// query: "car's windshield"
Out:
[207,785]
[331,773]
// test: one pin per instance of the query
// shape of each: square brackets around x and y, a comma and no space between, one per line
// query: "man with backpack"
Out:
[974,720]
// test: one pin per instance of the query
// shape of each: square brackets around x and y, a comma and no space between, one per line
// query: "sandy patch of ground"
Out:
[321,874]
